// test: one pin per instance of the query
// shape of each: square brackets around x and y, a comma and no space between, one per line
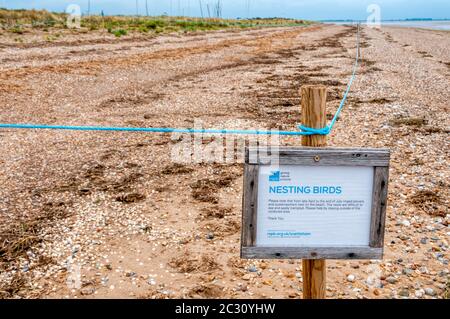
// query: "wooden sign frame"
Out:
[308,156]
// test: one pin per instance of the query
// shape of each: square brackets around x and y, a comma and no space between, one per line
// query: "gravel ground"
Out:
[103,215]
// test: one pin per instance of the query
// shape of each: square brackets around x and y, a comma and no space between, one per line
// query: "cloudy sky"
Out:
[307,9]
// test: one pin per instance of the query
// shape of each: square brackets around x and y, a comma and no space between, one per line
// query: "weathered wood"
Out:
[323,157]
[314,279]
[379,199]
[314,115]
[249,203]
[356,252]
[314,99]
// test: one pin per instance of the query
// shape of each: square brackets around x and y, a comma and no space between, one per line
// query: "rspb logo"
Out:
[278,176]
[275,176]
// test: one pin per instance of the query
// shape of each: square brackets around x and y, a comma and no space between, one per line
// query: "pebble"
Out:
[406,223]
[210,236]
[419,293]
[404,293]
[87,291]
[407,271]
[391,280]
[104,281]
[351,278]
[247,277]
[423,270]
[424,241]
[252,268]
[151,282]
[430,292]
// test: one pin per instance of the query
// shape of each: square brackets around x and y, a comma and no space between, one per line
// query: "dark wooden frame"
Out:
[308,156]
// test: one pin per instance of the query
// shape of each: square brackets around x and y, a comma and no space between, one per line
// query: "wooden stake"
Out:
[314,100]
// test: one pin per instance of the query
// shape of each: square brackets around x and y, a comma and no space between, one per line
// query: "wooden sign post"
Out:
[314,115]
[314,203]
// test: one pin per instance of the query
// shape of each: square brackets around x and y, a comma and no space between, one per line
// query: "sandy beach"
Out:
[109,214]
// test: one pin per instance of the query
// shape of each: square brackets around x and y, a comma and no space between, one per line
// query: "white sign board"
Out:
[314,203]
[320,206]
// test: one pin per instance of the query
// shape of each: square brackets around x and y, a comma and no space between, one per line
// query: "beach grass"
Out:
[21,21]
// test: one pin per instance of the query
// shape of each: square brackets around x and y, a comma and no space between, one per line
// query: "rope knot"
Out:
[315,131]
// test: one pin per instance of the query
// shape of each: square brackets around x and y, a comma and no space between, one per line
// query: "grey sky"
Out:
[307,9]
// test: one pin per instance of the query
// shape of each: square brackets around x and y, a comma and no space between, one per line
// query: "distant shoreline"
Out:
[442,25]
[391,20]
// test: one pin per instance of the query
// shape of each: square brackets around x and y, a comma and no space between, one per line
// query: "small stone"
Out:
[351,278]
[430,292]
[419,293]
[407,271]
[391,280]
[404,293]
[423,270]
[242,288]
[210,236]
[108,266]
[441,286]
[87,291]
[104,281]
[130,274]
[267,282]
[247,277]
[406,223]
[424,241]
[252,268]
[151,282]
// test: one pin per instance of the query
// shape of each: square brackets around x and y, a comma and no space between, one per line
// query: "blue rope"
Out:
[304,131]
[147,129]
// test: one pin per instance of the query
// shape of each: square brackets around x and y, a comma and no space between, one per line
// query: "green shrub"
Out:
[17,29]
[143,29]
[154,24]
[120,32]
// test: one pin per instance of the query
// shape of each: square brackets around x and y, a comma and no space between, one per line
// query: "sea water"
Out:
[426,24]
[435,25]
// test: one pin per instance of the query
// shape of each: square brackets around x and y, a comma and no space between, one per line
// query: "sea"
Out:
[426,24]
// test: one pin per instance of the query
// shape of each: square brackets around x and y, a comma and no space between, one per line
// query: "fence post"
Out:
[314,115]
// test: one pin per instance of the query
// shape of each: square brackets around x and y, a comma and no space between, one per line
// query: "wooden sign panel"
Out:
[314,203]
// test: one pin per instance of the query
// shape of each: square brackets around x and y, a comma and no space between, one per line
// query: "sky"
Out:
[301,9]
